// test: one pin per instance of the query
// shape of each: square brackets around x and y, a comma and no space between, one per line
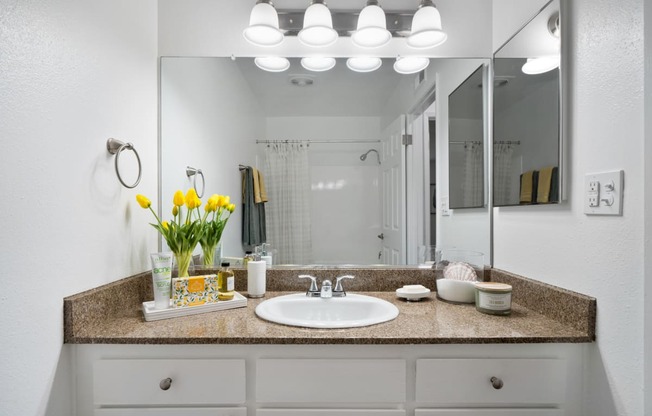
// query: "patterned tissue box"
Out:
[194,290]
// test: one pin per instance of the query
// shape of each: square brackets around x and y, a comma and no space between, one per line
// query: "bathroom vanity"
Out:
[435,358]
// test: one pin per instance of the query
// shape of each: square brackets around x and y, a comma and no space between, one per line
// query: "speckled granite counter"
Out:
[540,314]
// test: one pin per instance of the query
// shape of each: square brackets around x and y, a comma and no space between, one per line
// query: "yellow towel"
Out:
[526,188]
[261,185]
[545,183]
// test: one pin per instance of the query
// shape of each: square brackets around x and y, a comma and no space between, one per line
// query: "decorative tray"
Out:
[152,314]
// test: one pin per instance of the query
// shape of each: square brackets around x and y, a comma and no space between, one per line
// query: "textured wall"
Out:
[72,74]
[599,256]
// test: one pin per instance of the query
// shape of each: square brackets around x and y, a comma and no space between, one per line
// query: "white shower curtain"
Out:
[288,210]
[473,180]
[503,154]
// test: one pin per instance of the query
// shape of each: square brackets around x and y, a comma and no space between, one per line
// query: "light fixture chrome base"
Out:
[345,23]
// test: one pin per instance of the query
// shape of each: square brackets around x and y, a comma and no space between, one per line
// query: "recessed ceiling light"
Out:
[272,63]
[301,80]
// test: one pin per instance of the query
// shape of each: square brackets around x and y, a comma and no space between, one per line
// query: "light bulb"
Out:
[263,27]
[410,64]
[318,64]
[366,64]
[272,63]
[372,28]
[317,26]
[426,27]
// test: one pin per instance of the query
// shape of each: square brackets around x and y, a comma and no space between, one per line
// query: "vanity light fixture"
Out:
[543,64]
[263,29]
[272,63]
[317,26]
[426,27]
[410,64]
[363,64]
[318,63]
[372,27]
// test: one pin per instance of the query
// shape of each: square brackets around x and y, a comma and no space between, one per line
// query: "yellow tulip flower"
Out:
[227,200]
[221,201]
[143,201]
[192,200]
[165,225]
[178,199]
[175,211]
[230,208]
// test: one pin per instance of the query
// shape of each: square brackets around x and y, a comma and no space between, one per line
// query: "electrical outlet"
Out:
[445,212]
[603,193]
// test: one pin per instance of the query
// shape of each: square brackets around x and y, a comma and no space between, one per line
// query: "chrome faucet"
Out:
[339,291]
[312,291]
[326,289]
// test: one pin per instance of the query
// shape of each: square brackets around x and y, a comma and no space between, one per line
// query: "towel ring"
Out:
[115,147]
[197,172]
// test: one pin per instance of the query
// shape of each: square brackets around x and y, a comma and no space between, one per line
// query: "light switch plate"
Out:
[603,193]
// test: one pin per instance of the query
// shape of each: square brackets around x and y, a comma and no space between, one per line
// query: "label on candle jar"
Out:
[494,301]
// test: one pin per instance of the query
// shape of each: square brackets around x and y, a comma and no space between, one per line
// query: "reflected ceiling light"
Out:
[317,26]
[426,27]
[410,64]
[372,27]
[540,65]
[263,27]
[318,64]
[272,63]
[366,64]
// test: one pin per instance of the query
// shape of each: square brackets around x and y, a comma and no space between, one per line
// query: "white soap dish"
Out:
[412,295]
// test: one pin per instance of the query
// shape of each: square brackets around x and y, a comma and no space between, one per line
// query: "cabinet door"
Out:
[193,382]
[231,411]
[330,381]
[465,382]
[329,412]
[488,412]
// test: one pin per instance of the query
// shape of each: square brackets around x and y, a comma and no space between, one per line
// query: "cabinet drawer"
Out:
[488,412]
[195,382]
[229,411]
[329,412]
[467,381]
[330,381]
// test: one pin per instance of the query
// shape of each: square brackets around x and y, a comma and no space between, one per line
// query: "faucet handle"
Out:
[338,282]
[313,282]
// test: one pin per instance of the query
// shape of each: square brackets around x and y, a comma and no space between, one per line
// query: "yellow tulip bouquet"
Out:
[218,211]
[183,234]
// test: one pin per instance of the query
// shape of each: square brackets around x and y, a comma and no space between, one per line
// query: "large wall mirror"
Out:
[366,199]
[527,157]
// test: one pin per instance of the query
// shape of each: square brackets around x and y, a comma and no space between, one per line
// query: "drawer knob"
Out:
[496,383]
[165,383]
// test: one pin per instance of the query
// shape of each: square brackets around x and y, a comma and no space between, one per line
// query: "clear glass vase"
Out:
[183,261]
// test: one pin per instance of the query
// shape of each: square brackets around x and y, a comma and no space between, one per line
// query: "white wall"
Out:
[599,256]
[647,155]
[340,181]
[72,74]
[211,125]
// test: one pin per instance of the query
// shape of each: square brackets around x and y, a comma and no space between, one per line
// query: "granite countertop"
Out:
[112,315]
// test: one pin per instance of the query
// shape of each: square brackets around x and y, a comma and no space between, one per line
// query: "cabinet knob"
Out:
[165,383]
[496,383]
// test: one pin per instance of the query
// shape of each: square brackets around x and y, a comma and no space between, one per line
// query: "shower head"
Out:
[363,157]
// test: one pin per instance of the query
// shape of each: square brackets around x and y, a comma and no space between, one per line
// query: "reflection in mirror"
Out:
[219,113]
[466,143]
[527,116]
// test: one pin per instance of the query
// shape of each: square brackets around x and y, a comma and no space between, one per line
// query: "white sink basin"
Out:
[345,312]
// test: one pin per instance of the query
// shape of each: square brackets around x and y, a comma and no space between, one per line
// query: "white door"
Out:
[393,193]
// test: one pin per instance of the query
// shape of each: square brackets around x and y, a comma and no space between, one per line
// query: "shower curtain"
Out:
[473,180]
[503,154]
[288,209]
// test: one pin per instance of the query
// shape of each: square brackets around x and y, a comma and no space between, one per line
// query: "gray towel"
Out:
[253,215]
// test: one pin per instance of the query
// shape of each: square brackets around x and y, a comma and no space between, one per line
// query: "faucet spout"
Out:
[326,289]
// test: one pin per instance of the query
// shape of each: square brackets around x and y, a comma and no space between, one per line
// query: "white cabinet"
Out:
[329,380]
[506,382]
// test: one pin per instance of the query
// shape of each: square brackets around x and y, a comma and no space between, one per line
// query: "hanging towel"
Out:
[260,194]
[526,187]
[554,186]
[253,215]
[545,185]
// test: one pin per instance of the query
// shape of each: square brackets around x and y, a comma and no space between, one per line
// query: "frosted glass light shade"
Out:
[363,64]
[535,66]
[317,27]
[426,29]
[263,27]
[372,28]
[318,64]
[411,64]
[272,63]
